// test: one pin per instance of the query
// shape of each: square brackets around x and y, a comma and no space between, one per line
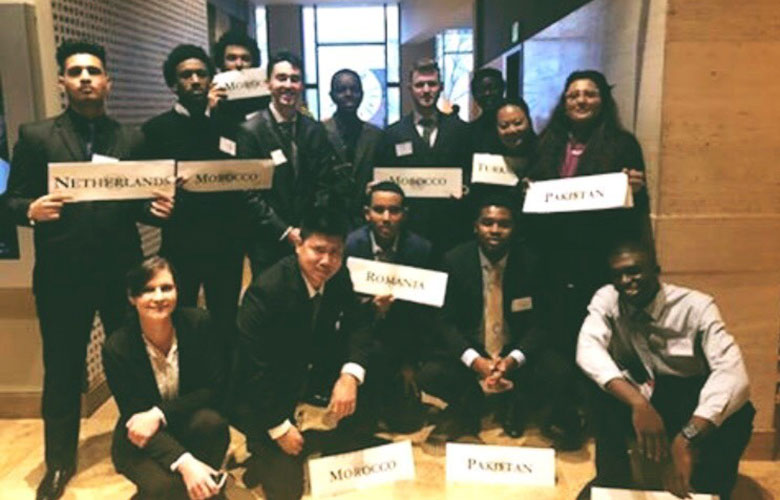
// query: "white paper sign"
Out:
[243,84]
[414,284]
[618,494]
[576,194]
[424,182]
[492,169]
[112,180]
[476,463]
[351,471]
[226,175]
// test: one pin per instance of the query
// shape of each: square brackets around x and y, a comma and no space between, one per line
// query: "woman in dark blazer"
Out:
[165,367]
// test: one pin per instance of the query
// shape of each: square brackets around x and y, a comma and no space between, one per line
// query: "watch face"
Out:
[689,431]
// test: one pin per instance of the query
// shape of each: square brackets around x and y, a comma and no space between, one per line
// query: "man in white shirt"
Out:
[673,378]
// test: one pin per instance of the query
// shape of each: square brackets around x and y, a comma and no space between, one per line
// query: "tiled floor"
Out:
[21,468]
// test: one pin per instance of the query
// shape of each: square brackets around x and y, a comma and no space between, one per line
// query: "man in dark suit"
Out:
[426,137]
[354,140]
[301,335]
[493,326]
[82,250]
[203,240]
[487,88]
[400,329]
[304,162]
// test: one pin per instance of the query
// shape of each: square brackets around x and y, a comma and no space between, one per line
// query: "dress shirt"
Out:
[380,253]
[470,354]
[350,368]
[680,333]
[420,128]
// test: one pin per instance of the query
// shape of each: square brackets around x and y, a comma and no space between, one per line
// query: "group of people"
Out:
[532,302]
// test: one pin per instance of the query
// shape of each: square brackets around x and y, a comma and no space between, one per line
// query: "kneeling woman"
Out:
[165,367]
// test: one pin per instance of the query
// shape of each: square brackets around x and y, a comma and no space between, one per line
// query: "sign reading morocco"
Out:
[500,464]
[360,469]
[578,194]
[414,284]
[226,175]
[112,180]
[424,182]
[243,84]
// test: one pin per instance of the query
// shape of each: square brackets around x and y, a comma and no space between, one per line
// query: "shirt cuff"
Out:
[183,458]
[285,233]
[280,430]
[156,410]
[468,356]
[355,370]
[518,356]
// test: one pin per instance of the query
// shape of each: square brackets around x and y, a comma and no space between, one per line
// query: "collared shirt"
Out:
[165,368]
[469,355]
[379,252]
[434,117]
[279,117]
[180,109]
[680,333]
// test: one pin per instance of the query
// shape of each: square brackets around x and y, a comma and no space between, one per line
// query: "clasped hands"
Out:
[493,371]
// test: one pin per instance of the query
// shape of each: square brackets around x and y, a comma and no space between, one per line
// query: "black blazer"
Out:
[91,240]
[282,352]
[130,376]
[413,250]
[462,315]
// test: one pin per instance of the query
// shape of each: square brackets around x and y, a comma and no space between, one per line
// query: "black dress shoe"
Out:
[52,486]
[251,475]
[513,421]
[565,438]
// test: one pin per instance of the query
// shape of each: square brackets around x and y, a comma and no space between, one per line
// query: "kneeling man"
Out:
[673,378]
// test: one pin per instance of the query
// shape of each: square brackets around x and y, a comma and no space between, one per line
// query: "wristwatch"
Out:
[690,432]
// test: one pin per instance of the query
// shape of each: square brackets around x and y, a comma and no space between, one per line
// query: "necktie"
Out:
[494,315]
[287,130]
[427,126]
[316,301]
[385,255]
[89,140]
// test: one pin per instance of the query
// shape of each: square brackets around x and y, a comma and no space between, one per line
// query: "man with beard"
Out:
[354,140]
[203,239]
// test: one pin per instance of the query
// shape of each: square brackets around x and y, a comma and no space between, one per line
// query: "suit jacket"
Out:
[91,241]
[405,331]
[283,352]
[131,378]
[297,183]
[462,314]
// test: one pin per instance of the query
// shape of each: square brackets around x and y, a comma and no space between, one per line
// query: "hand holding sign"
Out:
[162,205]
[636,179]
[47,207]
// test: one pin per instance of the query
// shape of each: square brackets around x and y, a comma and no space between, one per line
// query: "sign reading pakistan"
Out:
[578,194]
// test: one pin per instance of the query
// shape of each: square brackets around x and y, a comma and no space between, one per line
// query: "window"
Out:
[364,39]
[261,34]
[454,53]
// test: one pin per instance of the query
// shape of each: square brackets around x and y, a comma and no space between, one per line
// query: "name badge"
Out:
[578,194]
[278,157]
[492,169]
[227,146]
[679,346]
[99,158]
[500,464]
[112,180]
[620,494]
[424,182]
[361,469]
[522,304]
[403,149]
[413,284]
[226,175]
[243,84]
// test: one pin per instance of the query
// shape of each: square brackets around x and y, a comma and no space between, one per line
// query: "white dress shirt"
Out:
[434,128]
[680,333]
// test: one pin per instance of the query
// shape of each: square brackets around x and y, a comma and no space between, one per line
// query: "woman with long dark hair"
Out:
[165,367]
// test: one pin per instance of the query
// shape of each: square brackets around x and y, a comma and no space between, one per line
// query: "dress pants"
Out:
[66,314]
[205,435]
[675,399]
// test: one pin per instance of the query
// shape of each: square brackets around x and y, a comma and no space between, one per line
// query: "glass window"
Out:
[309,46]
[312,103]
[351,24]
[261,34]
[455,57]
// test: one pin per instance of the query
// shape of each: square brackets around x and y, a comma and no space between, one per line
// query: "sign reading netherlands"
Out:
[619,494]
[578,194]
[414,284]
[492,169]
[360,469]
[226,175]
[500,464]
[424,182]
[112,180]
[243,84]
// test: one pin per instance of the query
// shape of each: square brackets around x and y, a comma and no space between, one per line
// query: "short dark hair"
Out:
[520,103]
[71,47]
[385,186]
[495,199]
[140,275]
[284,56]
[635,246]
[324,220]
[425,65]
[235,37]
[486,73]
[182,53]
[345,71]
